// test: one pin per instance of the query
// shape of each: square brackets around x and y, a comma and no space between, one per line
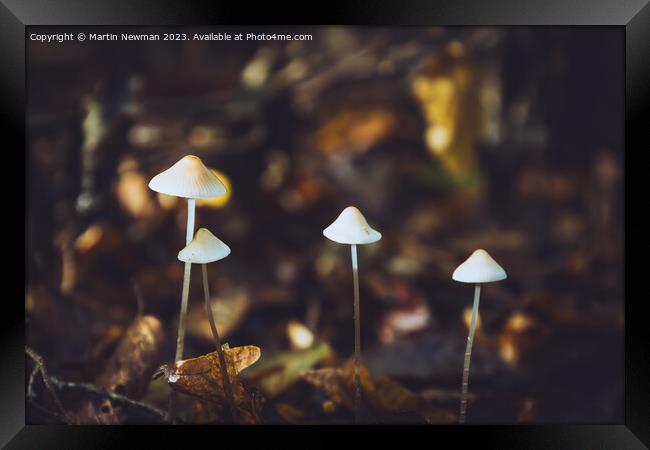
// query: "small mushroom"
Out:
[204,249]
[188,178]
[350,227]
[479,268]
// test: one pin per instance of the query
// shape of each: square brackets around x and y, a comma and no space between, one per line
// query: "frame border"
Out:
[633,15]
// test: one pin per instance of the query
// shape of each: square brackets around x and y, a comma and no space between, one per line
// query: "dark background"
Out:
[532,172]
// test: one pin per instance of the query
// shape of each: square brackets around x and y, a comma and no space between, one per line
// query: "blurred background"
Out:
[447,139]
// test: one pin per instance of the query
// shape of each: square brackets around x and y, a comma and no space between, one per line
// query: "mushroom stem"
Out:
[468,354]
[180,339]
[217,342]
[357,336]
[189,232]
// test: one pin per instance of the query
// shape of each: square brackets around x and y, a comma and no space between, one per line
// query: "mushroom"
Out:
[190,179]
[350,227]
[204,249]
[477,269]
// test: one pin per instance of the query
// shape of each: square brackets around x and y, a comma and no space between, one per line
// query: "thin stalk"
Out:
[468,354]
[357,337]
[180,339]
[217,343]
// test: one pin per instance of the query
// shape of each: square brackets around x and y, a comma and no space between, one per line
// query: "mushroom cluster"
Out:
[190,178]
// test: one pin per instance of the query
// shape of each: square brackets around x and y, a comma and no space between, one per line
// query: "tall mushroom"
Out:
[350,227]
[204,249]
[188,178]
[479,268]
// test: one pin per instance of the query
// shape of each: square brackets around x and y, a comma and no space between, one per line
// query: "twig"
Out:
[30,385]
[103,393]
[52,381]
[38,360]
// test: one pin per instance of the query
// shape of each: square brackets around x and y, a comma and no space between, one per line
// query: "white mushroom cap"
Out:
[350,227]
[204,248]
[188,178]
[479,268]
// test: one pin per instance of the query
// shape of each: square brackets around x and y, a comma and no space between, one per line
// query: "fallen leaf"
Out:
[338,383]
[128,371]
[383,398]
[201,378]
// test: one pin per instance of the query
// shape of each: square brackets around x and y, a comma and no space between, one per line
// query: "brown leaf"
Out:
[383,397]
[211,412]
[201,376]
[128,371]
[243,357]
[338,382]
[330,380]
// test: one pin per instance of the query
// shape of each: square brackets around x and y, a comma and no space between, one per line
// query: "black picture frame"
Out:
[633,15]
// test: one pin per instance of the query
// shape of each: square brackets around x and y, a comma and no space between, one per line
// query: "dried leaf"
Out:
[383,397]
[338,382]
[128,371]
[201,376]
[209,412]
[242,357]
